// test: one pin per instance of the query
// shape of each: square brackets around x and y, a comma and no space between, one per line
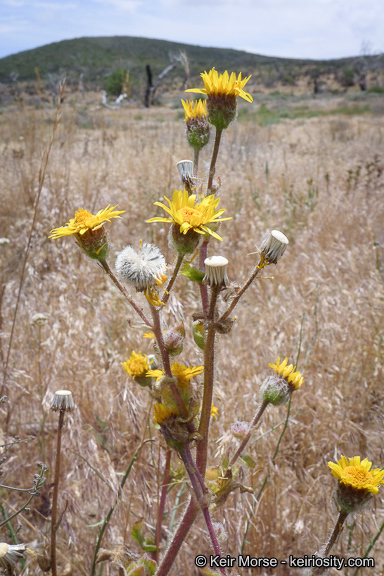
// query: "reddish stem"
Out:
[163,496]
[246,438]
[209,365]
[203,287]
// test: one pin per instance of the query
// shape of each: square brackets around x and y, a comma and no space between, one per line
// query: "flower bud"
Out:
[197,127]
[212,474]
[275,390]
[239,429]
[222,111]
[184,243]
[278,388]
[94,243]
[173,340]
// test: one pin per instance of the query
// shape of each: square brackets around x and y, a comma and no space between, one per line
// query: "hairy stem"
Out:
[178,538]
[213,160]
[124,292]
[54,525]
[200,490]
[246,438]
[171,282]
[203,253]
[336,532]
[166,363]
[196,154]
[163,496]
[331,541]
[209,364]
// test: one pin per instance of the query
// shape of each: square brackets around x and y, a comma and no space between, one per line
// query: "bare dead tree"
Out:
[149,88]
[366,62]
[185,63]
[81,85]
[55,83]
[175,59]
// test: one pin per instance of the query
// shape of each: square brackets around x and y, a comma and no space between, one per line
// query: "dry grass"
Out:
[321,182]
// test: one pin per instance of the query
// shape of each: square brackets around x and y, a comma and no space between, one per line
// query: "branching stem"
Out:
[124,292]
[166,363]
[200,491]
[209,362]
[203,253]
[171,282]
[163,496]
[245,286]
[213,160]
[246,438]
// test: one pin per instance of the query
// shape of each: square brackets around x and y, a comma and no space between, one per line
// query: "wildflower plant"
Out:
[182,391]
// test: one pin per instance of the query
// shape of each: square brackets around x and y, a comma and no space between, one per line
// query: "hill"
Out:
[98,57]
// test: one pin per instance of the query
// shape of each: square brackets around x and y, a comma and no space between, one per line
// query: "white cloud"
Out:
[10,28]
[295,28]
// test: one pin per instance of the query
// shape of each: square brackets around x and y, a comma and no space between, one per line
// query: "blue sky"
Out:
[292,28]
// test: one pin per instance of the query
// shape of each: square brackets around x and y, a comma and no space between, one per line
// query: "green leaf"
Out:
[137,532]
[198,333]
[148,547]
[248,461]
[192,273]
[150,565]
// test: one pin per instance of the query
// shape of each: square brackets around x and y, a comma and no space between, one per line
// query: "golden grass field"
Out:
[318,180]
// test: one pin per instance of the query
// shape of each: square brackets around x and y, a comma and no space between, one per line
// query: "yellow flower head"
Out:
[136,365]
[194,110]
[223,85]
[293,378]
[161,413]
[181,372]
[357,474]
[189,215]
[185,373]
[84,222]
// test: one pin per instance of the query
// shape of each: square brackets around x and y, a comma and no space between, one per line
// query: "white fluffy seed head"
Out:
[141,268]
[274,246]
[216,271]
[62,400]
